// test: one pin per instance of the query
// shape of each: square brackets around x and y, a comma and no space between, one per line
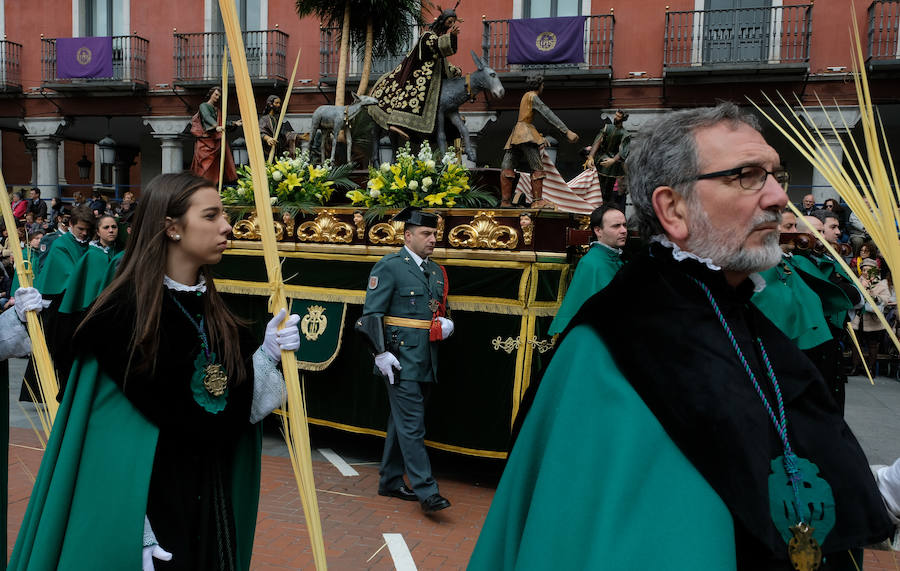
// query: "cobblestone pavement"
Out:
[355,518]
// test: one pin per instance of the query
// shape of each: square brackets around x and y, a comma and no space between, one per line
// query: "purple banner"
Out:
[84,57]
[546,40]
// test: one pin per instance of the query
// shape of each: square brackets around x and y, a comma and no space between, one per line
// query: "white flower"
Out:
[277,176]
[426,182]
[429,164]
[385,167]
[448,158]
[273,200]
[243,192]
[374,193]
[413,185]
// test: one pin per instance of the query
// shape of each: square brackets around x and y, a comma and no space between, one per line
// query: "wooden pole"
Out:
[224,100]
[294,422]
[284,105]
[43,364]
[340,88]
[367,58]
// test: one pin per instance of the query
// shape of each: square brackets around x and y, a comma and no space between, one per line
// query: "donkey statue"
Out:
[336,118]
[454,92]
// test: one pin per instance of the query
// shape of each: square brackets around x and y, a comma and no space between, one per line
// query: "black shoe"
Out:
[435,502]
[403,492]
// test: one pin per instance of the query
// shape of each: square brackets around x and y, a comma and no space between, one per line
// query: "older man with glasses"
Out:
[674,415]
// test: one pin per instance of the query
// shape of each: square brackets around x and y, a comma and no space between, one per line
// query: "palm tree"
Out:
[371,24]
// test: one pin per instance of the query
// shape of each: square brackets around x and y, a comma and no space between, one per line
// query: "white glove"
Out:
[153,551]
[287,339]
[446,327]
[386,363]
[28,299]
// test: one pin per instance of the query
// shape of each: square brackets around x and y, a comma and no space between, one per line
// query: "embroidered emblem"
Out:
[43,247]
[545,41]
[373,282]
[314,322]
[84,55]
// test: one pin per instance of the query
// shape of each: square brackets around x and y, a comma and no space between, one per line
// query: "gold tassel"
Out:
[296,430]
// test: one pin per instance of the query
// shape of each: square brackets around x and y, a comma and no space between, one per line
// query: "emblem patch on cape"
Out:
[43,247]
[314,322]
[373,282]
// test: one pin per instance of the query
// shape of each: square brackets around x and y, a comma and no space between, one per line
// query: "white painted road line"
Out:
[403,560]
[339,463]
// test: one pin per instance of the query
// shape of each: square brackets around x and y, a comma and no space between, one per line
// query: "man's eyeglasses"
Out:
[751,177]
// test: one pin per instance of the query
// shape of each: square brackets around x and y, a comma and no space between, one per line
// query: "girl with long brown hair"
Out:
[157,435]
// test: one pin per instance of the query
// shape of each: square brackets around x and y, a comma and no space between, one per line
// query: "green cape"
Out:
[594,482]
[88,278]
[835,303]
[595,270]
[59,263]
[86,510]
[792,306]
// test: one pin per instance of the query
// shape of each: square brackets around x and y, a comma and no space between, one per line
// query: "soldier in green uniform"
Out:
[403,317]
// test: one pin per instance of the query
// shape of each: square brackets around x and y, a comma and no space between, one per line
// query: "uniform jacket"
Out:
[399,288]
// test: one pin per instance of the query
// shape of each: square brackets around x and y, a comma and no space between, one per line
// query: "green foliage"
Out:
[427,179]
[295,183]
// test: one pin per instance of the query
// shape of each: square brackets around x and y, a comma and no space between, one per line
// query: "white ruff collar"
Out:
[173,285]
[680,255]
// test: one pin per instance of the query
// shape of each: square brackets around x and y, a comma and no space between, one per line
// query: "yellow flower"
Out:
[292,181]
[356,196]
[376,183]
[315,173]
[396,169]
[399,182]
[436,199]
[451,202]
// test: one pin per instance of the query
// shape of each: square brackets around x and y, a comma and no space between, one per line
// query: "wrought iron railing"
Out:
[198,56]
[598,45]
[129,61]
[884,30]
[329,56]
[744,36]
[10,65]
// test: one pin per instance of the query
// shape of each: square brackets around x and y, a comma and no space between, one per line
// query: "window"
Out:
[104,18]
[248,12]
[551,8]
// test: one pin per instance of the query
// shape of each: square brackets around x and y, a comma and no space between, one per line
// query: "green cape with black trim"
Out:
[86,511]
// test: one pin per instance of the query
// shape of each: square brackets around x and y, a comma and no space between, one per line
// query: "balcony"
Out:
[198,58]
[10,67]
[713,44]
[884,32]
[329,58]
[129,67]
[598,51]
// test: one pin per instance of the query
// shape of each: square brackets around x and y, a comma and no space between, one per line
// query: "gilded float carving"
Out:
[325,228]
[386,233]
[484,232]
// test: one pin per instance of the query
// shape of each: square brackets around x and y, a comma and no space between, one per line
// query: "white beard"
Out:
[726,248]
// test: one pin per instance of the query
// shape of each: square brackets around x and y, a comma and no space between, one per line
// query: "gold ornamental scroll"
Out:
[296,430]
[284,105]
[43,364]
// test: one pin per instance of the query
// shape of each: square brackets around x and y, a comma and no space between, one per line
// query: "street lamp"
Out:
[107,147]
[84,165]
[239,152]
[385,151]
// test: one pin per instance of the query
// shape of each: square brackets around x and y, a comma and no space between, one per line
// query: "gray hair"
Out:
[664,153]
[824,214]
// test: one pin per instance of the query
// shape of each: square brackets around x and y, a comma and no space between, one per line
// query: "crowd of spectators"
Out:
[39,222]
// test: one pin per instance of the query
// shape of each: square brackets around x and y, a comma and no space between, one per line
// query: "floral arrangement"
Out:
[295,183]
[426,179]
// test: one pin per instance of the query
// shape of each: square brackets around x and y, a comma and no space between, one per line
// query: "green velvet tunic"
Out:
[595,270]
[59,263]
[600,491]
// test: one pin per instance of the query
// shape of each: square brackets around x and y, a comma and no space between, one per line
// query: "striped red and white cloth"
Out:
[581,195]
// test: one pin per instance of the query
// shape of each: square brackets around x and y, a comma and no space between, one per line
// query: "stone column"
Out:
[122,170]
[46,132]
[821,190]
[475,122]
[168,130]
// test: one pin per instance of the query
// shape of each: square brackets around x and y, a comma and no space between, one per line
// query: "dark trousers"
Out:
[404,445]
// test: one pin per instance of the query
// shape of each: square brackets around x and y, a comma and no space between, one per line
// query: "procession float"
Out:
[507,269]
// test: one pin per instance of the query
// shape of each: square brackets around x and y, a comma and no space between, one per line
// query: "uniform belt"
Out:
[407,322]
